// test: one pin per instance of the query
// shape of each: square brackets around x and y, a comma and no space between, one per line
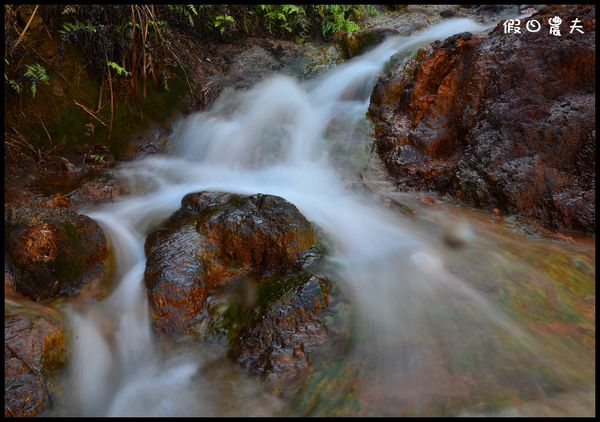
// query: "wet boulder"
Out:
[501,120]
[34,348]
[215,238]
[246,270]
[297,323]
[54,251]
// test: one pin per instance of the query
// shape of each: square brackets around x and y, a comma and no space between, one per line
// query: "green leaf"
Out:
[121,71]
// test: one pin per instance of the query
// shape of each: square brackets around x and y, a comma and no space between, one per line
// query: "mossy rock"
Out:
[55,251]
[355,43]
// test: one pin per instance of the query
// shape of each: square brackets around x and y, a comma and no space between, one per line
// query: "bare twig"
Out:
[112,107]
[20,143]
[90,112]
[26,27]
[46,130]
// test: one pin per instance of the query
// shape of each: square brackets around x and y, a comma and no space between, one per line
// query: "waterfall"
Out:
[277,138]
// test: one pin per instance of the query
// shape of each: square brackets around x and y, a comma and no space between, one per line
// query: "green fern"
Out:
[15,85]
[74,27]
[334,18]
[371,10]
[351,26]
[284,16]
[36,74]
[222,22]
[188,11]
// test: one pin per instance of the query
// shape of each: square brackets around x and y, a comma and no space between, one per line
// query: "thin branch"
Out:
[90,112]
[26,27]
[46,130]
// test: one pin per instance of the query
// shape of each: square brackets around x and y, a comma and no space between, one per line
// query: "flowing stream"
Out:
[425,333]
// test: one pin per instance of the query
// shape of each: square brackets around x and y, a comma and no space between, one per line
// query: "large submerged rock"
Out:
[34,347]
[54,251]
[501,121]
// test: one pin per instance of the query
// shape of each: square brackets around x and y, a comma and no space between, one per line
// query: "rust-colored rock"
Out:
[54,251]
[503,120]
[212,239]
[243,267]
[34,347]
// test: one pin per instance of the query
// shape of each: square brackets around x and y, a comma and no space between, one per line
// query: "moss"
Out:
[235,320]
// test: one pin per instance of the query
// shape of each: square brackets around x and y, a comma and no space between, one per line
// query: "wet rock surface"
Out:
[69,181]
[34,347]
[499,121]
[213,238]
[408,19]
[245,269]
[54,251]
[102,189]
[297,323]
[243,66]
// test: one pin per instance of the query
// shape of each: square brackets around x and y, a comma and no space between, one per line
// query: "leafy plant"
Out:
[121,71]
[98,158]
[334,18]
[36,73]
[11,82]
[371,10]
[187,11]
[223,22]
[71,28]
[282,16]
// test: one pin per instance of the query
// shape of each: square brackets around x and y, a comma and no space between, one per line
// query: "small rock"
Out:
[458,235]
[71,168]
[54,251]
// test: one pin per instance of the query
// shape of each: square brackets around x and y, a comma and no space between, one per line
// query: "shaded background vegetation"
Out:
[86,72]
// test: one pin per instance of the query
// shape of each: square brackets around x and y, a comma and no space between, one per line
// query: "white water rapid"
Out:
[278,138]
